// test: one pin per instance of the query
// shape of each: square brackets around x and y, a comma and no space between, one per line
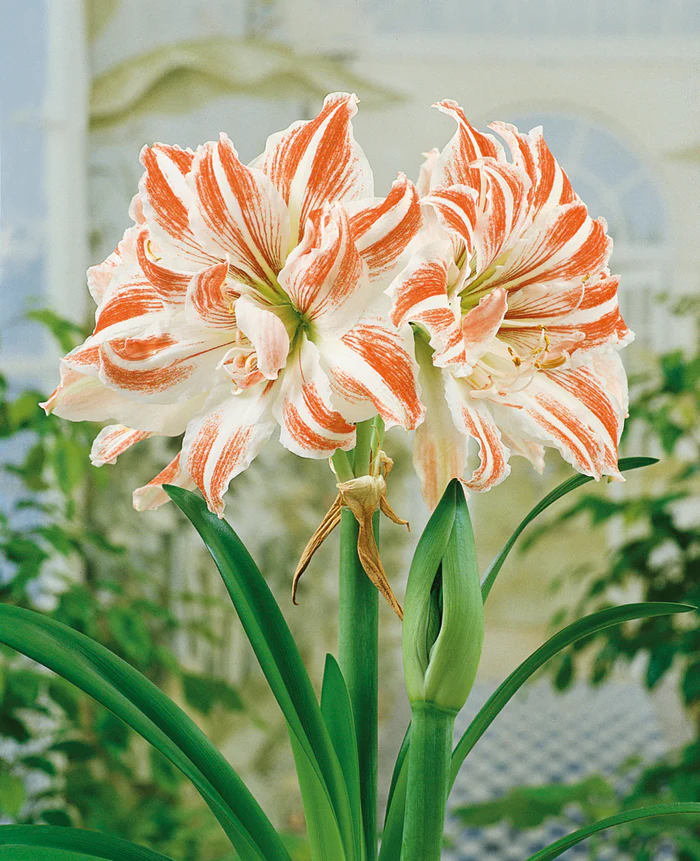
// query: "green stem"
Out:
[426,794]
[358,646]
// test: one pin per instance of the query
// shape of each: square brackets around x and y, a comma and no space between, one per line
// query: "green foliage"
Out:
[659,556]
[529,806]
[65,541]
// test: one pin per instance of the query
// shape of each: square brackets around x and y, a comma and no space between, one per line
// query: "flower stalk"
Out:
[428,774]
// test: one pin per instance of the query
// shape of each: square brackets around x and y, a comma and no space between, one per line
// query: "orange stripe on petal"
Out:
[113,441]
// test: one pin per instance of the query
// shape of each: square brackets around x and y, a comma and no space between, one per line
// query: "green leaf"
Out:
[625,464]
[393,824]
[529,806]
[144,707]
[11,794]
[336,709]
[321,822]
[275,649]
[398,765]
[560,846]
[73,840]
[204,693]
[571,634]
[67,333]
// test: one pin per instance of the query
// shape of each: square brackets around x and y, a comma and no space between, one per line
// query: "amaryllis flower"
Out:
[514,311]
[247,297]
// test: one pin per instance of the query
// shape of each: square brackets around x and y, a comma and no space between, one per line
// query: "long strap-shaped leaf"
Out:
[72,840]
[276,651]
[137,701]
[337,712]
[626,464]
[688,808]
[576,631]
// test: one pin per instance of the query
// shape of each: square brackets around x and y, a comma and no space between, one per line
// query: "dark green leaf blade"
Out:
[137,701]
[625,465]
[275,649]
[556,849]
[73,840]
[336,709]
[576,631]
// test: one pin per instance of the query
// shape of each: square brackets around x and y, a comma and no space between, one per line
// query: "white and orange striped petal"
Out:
[84,397]
[579,411]
[225,437]
[473,418]
[310,424]
[372,370]
[318,161]
[266,332]
[439,449]
[167,202]
[325,277]
[383,228]
[152,495]
[420,295]
[114,440]
[238,214]
[454,165]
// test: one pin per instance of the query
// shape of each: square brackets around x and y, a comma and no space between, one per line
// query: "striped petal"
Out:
[310,425]
[112,441]
[550,185]
[325,276]
[503,212]
[456,209]
[171,365]
[595,321]
[152,495]
[482,323]
[168,201]
[169,283]
[454,164]
[239,214]
[82,397]
[267,334]
[383,228]
[568,246]
[206,301]
[439,449]
[318,161]
[579,411]
[372,370]
[420,295]
[473,417]
[225,437]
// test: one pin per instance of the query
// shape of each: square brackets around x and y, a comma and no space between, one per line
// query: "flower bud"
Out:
[443,629]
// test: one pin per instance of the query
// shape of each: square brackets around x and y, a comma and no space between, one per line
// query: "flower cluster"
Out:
[476,304]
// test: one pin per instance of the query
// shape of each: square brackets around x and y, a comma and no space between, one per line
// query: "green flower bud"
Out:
[443,629]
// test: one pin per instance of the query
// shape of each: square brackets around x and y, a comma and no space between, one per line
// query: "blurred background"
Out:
[616,84]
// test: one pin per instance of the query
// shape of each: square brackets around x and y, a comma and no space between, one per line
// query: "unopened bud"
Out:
[443,630]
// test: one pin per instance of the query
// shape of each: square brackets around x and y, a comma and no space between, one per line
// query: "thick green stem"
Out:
[358,645]
[426,794]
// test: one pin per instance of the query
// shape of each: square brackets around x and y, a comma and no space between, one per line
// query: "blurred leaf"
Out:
[77,841]
[11,794]
[66,333]
[78,751]
[40,763]
[57,817]
[205,692]
[529,806]
[177,78]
